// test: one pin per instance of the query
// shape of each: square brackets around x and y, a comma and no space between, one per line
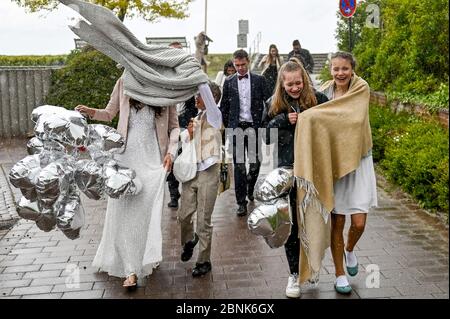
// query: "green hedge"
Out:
[216,62]
[325,74]
[88,78]
[407,55]
[433,101]
[413,153]
[409,52]
[32,60]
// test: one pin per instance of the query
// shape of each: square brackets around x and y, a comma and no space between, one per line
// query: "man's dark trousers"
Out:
[245,183]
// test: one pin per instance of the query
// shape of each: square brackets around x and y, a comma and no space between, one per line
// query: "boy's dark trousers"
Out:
[173,187]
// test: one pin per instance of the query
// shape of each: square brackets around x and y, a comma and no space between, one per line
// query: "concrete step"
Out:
[320,60]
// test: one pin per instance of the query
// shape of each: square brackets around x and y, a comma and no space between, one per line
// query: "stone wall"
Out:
[420,110]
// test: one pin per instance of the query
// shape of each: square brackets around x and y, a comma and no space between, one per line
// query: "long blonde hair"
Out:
[280,102]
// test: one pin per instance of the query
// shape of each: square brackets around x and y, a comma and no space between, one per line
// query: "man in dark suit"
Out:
[243,101]
[303,55]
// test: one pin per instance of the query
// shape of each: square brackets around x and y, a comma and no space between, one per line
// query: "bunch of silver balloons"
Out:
[272,219]
[68,155]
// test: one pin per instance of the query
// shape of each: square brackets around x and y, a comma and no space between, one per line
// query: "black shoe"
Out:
[242,210]
[201,269]
[251,197]
[188,248]
[173,203]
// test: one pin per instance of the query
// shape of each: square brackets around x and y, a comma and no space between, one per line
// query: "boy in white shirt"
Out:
[199,194]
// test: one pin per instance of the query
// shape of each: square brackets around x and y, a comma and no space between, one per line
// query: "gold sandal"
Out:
[130,281]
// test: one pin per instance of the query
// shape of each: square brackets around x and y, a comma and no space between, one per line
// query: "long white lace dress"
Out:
[132,238]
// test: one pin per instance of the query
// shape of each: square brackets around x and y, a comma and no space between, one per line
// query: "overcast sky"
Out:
[313,22]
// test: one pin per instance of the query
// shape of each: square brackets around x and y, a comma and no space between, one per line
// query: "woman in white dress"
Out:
[131,244]
[354,193]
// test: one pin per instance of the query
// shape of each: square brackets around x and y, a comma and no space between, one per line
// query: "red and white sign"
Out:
[347,7]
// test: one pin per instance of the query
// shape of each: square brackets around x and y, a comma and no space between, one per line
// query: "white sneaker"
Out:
[293,288]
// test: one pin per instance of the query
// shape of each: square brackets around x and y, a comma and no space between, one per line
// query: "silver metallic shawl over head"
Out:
[154,75]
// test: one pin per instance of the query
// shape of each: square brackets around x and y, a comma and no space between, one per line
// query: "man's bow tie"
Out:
[240,77]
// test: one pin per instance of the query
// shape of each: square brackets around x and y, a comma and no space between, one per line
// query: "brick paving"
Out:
[8,217]
[409,247]
[11,151]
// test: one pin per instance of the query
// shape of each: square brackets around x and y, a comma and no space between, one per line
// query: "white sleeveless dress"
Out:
[132,238]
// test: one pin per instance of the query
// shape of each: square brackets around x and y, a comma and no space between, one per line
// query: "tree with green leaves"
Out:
[150,10]
[408,52]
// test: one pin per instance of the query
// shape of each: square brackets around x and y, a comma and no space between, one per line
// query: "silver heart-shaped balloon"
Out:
[272,221]
[275,184]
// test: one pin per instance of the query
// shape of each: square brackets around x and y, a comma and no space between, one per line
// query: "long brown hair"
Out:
[280,103]
[139,105]
[270,60]
[346,56]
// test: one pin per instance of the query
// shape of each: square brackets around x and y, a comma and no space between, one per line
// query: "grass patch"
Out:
[217,62]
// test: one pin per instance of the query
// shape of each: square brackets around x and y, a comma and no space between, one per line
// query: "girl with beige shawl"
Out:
[334,171]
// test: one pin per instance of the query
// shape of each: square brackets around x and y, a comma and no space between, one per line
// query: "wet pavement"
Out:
[403,249]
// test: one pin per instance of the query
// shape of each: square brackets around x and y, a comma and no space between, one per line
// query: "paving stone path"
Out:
[406,245]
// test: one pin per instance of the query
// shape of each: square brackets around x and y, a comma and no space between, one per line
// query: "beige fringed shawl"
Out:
[330,140]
